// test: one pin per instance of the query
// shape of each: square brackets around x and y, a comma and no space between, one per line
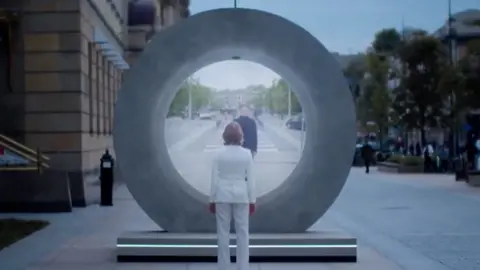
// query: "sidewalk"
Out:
[178,128]
[85,240]
[441,181]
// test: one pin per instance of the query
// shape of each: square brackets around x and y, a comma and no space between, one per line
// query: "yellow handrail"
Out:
[27,156]
[25,148]
[22,169]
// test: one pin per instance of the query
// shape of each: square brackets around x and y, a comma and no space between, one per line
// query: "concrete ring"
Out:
[213,36]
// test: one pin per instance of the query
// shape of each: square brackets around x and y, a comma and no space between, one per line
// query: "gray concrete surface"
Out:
[86,242]
[45,192]
[177,129]
[191,44]
[411,222]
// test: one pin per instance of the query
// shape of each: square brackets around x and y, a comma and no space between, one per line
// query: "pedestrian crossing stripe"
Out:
[264,144]
[261,148]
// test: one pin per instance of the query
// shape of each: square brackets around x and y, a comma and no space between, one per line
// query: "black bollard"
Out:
[106,179]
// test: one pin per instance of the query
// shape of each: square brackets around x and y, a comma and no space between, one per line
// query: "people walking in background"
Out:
[444,155]
[477,154]
[471,151]
[232,195]
[219,120]
[428,164]
[249,129]
[367,155]
[411,150]
[418,150]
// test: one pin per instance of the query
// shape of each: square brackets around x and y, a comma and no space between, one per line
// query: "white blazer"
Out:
[232,177]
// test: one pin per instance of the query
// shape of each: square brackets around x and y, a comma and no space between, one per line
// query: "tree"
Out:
[418,100]
[259,99]
[373,75]
[356,68]
[201,97]
[377,92]
[469,71]
[462,81]
[355,72]
[180,101]
[387,42]
[276,98]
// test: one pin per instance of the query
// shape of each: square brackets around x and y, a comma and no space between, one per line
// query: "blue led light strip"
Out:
[231,246]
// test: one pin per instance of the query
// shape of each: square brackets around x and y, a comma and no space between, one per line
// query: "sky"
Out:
[344,26]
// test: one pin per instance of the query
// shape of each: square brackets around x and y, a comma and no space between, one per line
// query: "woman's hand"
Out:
[211,208]
[251,208]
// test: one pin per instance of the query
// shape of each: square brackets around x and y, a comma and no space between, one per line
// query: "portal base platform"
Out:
[325,246]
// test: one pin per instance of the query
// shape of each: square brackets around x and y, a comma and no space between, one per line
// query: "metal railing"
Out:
[36,161]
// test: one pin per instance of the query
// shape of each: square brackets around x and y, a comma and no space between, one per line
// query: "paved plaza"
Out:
[417,222]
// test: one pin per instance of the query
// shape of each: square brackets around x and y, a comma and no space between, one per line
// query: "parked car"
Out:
[296,122]
[206,115]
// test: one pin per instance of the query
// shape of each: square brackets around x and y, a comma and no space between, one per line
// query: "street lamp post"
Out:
[189,103]
[451,35]
[289,102]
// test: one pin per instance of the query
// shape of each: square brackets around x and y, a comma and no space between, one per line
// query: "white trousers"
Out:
[224,214]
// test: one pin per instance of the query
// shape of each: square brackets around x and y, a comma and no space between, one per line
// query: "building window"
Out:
[92,55]
[5,57]
[104,95]
[109,98]
[112,95]
[99,87]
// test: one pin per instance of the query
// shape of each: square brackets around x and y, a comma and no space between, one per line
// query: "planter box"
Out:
[398,168]
[473,179]
[30,192]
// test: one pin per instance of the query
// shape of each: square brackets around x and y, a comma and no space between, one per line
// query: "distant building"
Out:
[233,98]
[465,26]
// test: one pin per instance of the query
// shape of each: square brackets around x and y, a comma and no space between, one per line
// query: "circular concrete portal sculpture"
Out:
[213,36]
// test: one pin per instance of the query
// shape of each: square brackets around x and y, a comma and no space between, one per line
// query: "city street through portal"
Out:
[417,222]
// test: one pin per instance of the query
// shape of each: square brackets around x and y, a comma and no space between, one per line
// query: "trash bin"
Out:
[460,169]
[106,179]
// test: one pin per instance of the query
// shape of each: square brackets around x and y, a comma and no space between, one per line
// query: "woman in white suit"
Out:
[232,195]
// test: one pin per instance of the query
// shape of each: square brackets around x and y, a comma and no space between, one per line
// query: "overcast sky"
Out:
[340,26]
[235,74]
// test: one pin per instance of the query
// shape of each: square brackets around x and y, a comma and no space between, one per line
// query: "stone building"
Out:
[465,27]
[61,65]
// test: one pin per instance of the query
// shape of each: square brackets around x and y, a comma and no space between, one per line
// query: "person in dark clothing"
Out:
[418,149]
[471,152]
[428,164]
[443,155]
[249,128]
[367,156]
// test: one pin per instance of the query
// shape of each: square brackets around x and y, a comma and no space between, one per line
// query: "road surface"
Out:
[275,159]
[412,222]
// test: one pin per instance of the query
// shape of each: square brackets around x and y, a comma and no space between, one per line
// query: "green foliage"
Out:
[374,102]
[356,68]
[377,92]
[259,99]
[275,98]
[418,100]
[387,41]
[468,76]
[201,97]
[406,160]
